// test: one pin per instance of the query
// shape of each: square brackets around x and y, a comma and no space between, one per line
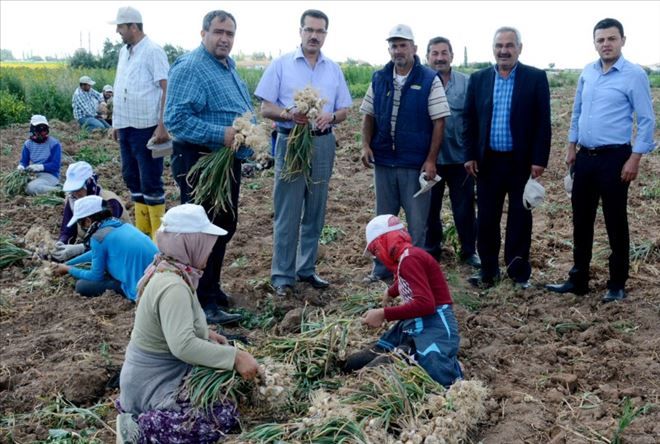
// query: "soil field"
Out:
[561,369]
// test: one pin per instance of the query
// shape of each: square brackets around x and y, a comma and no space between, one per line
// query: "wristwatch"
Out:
[334,118]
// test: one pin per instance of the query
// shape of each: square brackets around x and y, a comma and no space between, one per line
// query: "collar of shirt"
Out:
[512,75]
[136,47]
[231,64]
[298,54]
[618,65]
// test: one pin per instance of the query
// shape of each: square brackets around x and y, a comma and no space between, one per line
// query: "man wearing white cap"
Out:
[85,102]
[404,111]
[119,253]
[105,108]
[139,99]
[80,182]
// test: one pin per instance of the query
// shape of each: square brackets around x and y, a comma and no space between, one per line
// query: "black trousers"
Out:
[461,195]
[598,176]
[184,157]
[499,177]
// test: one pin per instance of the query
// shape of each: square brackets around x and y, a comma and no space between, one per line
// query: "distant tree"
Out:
[51,59]
[173,52]
[110,55]
[6,54]
[36,58]
[258,56]
[551,65]
[479,65]
[83,59]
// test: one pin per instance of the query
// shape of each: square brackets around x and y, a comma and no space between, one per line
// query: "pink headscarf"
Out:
[182,253]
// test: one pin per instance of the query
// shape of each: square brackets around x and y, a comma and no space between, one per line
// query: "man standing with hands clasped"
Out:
[300,207]
[507,138]
[609,92]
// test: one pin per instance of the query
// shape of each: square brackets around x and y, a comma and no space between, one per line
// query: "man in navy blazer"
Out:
[507,138]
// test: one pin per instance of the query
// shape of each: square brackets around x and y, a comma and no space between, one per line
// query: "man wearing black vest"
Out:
[507,139]
[404,111]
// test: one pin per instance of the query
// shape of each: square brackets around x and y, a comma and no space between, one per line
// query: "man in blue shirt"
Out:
[299,206]
[507,139]
[204,96]
[439,55]
[608,93]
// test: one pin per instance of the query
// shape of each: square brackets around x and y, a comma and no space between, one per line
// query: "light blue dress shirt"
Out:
[605,103]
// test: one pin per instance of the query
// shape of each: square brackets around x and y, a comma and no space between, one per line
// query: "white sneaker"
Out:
[128,431]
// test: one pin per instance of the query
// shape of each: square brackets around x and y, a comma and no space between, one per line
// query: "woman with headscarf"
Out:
[426,327]
[81,181]
[170,335]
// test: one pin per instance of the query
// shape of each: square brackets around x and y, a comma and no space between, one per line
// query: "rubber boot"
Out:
[156,212]
[142,221]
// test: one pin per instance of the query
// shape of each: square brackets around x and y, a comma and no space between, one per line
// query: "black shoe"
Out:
[482,282]
[614,295]
[473,261]
[568,287]
[217,316]
[315,281]
[284,291]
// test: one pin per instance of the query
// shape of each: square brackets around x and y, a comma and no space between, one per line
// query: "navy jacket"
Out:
[530,116]
[414,126]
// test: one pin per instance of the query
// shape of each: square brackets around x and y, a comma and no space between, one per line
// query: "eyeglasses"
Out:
[311,31]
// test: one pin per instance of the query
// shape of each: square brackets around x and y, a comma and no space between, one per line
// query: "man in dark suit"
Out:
[507,138]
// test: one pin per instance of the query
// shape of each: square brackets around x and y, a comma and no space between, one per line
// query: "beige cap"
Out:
[127,14]
[401,32]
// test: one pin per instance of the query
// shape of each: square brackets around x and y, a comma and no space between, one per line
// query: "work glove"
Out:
[20,167]
[64,252]
[35,167]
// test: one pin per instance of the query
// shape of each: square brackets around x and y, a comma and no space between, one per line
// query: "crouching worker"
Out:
[118,251]
[80,182]
[426,327]
[170,335]
[41,155]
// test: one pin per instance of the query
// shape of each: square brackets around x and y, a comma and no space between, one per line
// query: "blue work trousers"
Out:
[143,175]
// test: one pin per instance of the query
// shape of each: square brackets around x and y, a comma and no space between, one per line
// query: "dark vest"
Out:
[414,127]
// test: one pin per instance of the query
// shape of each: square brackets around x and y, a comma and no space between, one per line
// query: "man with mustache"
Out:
[609,92]
[299,207]
[507,139]
[404,112]
[439,55]
[204,96]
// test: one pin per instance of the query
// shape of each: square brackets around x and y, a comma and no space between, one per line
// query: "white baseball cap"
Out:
[127,14]
[76,175]
[87,80]
[38,119]
[85,207]
[189,218]
[382,224]
[401,32]
[107,88]
[533,195]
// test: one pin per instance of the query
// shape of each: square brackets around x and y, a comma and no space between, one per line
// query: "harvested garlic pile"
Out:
[276,386]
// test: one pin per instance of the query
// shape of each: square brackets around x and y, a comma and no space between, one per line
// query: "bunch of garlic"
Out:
[308,102]
[276,386]
[249,134]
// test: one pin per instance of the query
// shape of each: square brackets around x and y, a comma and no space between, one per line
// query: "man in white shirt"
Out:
[139,99]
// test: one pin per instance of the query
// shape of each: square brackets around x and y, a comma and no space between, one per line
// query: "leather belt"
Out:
[602,149]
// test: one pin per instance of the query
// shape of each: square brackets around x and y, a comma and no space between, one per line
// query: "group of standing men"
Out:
[493,127]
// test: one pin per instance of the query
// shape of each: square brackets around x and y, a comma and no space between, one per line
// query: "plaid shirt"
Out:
[85,103]
[500,128]
[203,97]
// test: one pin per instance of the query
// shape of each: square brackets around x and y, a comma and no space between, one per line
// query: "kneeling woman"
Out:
[170,335]
[426,326]
[119,252]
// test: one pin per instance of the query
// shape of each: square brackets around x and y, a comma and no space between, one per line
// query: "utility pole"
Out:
[465,59]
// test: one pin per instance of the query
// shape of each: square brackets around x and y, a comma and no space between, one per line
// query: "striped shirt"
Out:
[137,85]
[438,106]
[500,127]
[48,154]
[85,103]
[203,98]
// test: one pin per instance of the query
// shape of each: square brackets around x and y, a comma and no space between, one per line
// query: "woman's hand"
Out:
[246,365]
[61,269]
[218,338]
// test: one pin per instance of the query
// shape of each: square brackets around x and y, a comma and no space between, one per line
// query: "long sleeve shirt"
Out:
[204,96]
[85,103]
[48,153]
[124,253]
[421,285]
[604,107]
[68,234]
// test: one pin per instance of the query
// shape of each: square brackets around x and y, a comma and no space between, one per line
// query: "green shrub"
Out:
[12,109]
[50,101]
[11,83]
[358,90]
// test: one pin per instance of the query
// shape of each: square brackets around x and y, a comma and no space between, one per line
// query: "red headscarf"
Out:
[389,247]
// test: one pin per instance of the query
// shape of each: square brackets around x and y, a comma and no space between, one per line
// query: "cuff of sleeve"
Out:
[643,148]
[228,357]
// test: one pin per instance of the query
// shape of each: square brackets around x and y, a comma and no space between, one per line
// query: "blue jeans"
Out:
[92,123]
[142,173]
[300,212]
[97,288]
[395,188]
